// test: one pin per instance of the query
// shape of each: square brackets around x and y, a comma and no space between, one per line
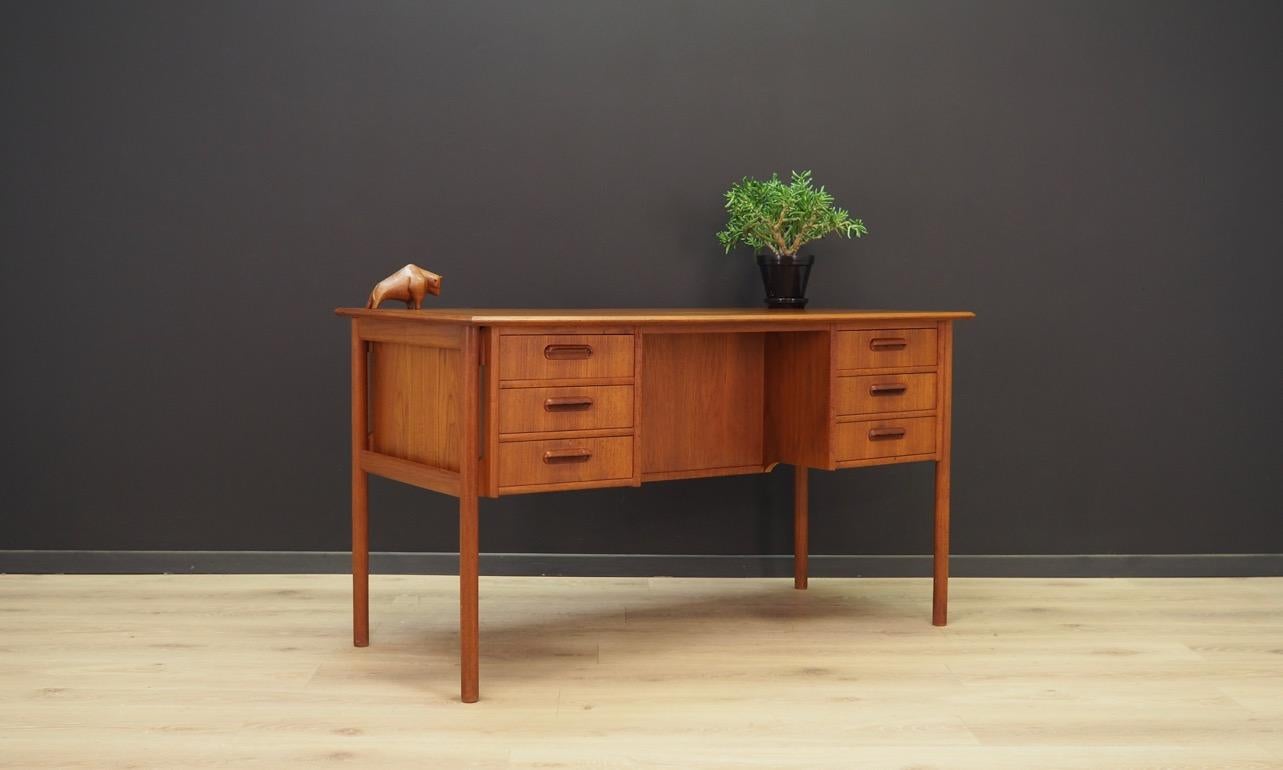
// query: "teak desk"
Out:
[483,403]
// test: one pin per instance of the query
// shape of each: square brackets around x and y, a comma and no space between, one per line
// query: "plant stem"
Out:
[797,239]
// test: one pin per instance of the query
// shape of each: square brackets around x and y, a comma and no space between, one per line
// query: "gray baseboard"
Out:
[642,565]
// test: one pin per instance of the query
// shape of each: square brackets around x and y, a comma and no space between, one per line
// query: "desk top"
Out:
[647,316]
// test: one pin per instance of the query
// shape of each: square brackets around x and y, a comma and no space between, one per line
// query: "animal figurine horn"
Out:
[410,284]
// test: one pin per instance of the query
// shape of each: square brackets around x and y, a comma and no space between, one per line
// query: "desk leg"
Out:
[360,499]
[940,585]
[944,440]
[360,561]
[800,526]
[469,678]
[469,541]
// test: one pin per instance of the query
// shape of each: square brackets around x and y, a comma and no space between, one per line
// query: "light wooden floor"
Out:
[258,671]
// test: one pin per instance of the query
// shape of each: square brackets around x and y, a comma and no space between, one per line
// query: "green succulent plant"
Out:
[783,217]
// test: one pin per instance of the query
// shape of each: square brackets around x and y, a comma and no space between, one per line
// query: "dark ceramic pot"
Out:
[785,279]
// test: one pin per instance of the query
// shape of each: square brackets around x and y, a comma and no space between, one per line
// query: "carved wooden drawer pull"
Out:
[553,456]
[566,352]
[882,434]
[567,404]
[888,343]
[887,388]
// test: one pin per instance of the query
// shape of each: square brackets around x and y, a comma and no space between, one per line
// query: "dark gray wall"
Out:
[189,189]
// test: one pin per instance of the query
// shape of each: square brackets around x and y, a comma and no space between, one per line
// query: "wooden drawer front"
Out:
[528,410]
[871,393]
[886,348]
[565,460]
[556,356]
[885,438]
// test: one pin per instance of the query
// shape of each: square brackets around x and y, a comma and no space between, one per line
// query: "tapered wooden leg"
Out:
[360,562]
[469,557]
[469,541]
[800,526]
[944,450]
[940,584]
[360,500]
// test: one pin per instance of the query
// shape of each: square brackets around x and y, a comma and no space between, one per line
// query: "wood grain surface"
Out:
[885,348]
[415,403]
[212,671]
[651,316]
[565,460]
[582,407]
[867,439]
[878,393]
[703,402]
[543,356]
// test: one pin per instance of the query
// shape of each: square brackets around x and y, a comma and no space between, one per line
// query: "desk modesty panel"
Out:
[487,403]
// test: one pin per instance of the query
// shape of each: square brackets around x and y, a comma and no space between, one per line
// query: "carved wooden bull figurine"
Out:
[410,284]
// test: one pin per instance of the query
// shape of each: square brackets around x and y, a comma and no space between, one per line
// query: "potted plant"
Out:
[781,218]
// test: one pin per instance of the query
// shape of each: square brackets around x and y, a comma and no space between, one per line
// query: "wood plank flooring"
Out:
[211,671]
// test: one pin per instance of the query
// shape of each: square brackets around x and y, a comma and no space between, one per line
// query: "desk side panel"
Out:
[415,403]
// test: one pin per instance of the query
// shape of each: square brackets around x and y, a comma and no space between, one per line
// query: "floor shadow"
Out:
[539,645]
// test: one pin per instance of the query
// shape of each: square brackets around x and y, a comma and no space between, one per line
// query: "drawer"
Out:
[557,356]
[527,410]
[886,348]
[869,439]
[886,393]
[558,461]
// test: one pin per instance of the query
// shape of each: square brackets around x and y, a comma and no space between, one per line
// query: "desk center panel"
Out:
[701,404]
